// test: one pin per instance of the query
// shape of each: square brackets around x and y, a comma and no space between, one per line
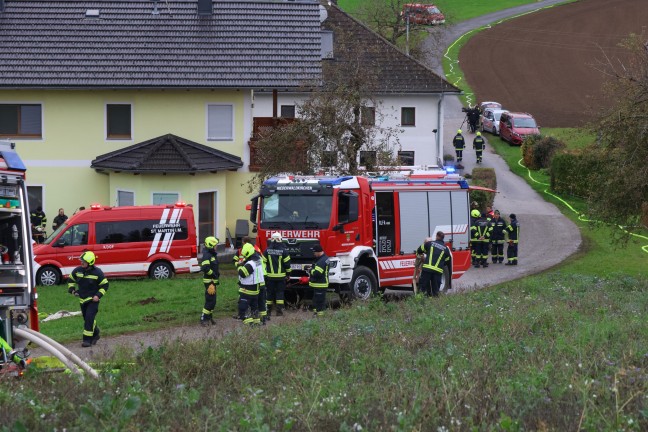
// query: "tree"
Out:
[340,118]
[621,188]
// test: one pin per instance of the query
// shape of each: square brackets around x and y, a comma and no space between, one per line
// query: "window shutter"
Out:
[220,122]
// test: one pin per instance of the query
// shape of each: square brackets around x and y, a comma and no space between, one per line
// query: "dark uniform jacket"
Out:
[459,142]
[479,143]
[58,221]
[513,230]
[497,230]
[437,256]
[277,261]
[90,282]
[209,266]
[319,273]
[480,228]
[38,218]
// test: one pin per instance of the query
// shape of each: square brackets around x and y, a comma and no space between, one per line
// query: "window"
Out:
[206,214]
[368,116]
[220,122]
[368,159]
[327,44]
[160,198]
[406,157]
[125,198]
[408,116]
[288,111]
[137,231]
[76,235]
[118,121]
[329,158]
[35,197]
[21,121]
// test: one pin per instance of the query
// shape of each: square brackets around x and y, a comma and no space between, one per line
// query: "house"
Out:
[409,94]
[146,102]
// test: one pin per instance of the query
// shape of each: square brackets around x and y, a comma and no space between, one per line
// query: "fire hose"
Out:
[67,357]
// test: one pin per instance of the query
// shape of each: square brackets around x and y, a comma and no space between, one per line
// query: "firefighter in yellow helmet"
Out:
[459,144]
[211,274]
[480,231]
[89,284]
[479,144]
[250,273]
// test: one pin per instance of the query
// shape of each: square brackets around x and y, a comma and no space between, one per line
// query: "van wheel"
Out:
[446,280]
[161,270]
[48,276]
[363,283]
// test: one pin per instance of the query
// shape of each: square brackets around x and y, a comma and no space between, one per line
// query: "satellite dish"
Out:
[323,14]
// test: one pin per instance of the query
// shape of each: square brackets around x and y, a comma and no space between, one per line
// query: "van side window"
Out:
[138,231]
[75,235]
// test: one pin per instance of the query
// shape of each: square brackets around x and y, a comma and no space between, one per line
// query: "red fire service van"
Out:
[17,290]
[370,227]
[155,241]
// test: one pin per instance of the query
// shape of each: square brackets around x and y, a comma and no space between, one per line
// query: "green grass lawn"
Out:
[454,11]
[138,305]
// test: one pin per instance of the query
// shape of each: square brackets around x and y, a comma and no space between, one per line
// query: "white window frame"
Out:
[216,208]
[132,111]
[167,193]
[127,191]
[23,138]
[207,137]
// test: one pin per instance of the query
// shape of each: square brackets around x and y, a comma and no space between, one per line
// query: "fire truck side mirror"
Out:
[253,210]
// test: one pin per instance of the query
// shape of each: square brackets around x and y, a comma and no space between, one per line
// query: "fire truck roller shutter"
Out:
[460,220]
[414,225]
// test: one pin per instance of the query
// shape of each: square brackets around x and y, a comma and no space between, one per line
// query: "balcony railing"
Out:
[264,125]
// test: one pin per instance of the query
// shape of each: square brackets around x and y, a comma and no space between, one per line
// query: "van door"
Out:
[70,245]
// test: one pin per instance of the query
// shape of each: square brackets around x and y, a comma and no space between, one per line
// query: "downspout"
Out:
[439,133]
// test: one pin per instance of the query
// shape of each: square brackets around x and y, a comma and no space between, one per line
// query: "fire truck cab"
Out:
[369,226]
[17,290]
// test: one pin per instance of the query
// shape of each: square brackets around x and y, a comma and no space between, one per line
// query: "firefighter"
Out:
[498,225]
[513,230]
[474,215]
[459,144]
[211,274]
[38,224]
[277,269]
[437,257]
[473,119]
[250,273]
[11,355]
[479,235]
[238,259]
[479,144]
[319,279]
[89,284]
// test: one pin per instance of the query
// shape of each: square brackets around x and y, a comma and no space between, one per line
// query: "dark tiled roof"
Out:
[51,44]
[167,154]
[395,71]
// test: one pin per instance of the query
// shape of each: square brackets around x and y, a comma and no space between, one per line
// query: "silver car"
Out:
[490,120]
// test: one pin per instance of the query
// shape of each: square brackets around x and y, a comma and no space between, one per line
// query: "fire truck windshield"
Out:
[303,211]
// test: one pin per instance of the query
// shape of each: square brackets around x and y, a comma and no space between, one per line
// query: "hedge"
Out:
[484,177]
[538,151]
[572,172]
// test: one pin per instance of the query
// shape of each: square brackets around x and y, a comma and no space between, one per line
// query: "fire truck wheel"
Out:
[161,270]
[48,276]
[363,283]
[446,283]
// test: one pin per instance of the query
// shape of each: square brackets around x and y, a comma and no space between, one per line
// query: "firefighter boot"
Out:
[205,320]
[279,310]
[96,337]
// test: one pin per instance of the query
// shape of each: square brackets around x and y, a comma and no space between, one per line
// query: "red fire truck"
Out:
[17,290]
[370,227]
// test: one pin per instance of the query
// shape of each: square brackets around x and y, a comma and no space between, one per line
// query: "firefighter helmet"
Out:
[211,242]
[475,213]
[478,133]
[88,257]
[276,237]
[459,131]
[247,250]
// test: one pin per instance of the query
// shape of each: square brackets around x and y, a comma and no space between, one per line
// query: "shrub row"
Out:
[572,172]
[538,150]
[484,177]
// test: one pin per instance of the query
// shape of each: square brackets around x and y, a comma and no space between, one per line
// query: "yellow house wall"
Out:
[74,134]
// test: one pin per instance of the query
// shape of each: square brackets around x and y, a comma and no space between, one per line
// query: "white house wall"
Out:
[418,138]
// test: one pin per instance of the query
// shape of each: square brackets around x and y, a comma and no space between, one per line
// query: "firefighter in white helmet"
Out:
[276,260]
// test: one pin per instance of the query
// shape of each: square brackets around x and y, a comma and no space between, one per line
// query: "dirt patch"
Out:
[148,301]
[545,63]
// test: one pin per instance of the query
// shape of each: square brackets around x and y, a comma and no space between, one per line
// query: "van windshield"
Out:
[52,236]
[296,211]
[524,123]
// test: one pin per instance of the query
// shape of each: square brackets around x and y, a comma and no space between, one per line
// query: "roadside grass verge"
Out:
[553,352]
[602,257]
[454,11]
[138,305]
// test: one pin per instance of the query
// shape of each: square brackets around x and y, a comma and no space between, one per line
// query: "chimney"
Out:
[205,7]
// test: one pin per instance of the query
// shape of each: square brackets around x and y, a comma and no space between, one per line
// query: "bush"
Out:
[572,173]
[484,177]
[448,157]
[538,151]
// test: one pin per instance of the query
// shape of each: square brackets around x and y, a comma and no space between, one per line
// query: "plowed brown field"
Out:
[545,63]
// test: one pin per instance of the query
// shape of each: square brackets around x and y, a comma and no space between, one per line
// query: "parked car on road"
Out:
[515,126]
[490,120]
[423,14]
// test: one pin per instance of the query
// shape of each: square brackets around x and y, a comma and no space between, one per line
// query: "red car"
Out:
[515,126]
[423,14]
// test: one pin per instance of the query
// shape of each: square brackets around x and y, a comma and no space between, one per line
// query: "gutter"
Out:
[439,132]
